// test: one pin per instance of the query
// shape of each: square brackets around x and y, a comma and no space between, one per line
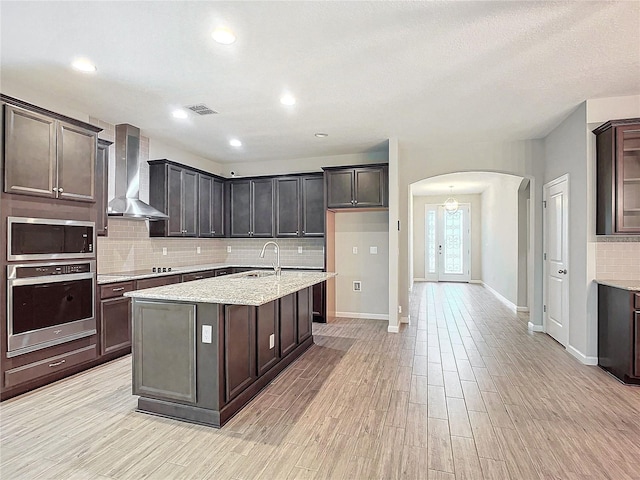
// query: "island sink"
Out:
[203,349]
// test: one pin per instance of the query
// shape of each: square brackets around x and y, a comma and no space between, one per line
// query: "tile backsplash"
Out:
[128,247]
[618,260]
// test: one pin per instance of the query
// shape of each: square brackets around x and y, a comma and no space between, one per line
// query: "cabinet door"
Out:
[262,208]
[205,228]
[115,325]
[240,216]
[305,316]
[287,207]
[174,201]
[628,179]
[313,206]
[239,349]
[266,329]
[340,188]
[189,203]
[288,325]
[217,208]
[30,153]
[76,162]
[369,187]
[102,177]
[318,309]
[636,345]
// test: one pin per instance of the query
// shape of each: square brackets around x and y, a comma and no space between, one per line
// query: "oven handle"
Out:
[51,279]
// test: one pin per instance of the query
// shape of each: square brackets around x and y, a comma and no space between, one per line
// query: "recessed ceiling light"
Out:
[223,36]
[287,99]
[83,65]
[321,135]
[179,114]
[234,142]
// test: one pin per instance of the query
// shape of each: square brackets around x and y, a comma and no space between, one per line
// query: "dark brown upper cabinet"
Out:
[210,206]
[618,177]
[357,187]
[102,177]
[47,154]
[300,206]
[174,191]
[251,207]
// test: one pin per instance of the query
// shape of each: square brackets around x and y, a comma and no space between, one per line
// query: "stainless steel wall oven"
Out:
[49,239]
[48,304]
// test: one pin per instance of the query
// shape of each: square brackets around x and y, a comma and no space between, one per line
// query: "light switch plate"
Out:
[272,341]
[373,250]
[164,250]
[357,285]
[228,248]
[198,250]
[206,333]
[355,250]
[299,249]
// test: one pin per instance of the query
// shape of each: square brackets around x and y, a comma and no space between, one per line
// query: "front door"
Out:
[447,244]
[556,253]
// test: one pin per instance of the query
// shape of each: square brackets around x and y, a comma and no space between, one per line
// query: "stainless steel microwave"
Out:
[49,239]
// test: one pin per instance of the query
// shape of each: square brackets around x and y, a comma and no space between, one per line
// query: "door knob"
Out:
[564,272]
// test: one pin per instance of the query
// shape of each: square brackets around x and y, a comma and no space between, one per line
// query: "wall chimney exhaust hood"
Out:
[127,201]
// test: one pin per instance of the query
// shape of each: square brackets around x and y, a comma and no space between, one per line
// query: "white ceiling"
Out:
[462,183]
[361,71]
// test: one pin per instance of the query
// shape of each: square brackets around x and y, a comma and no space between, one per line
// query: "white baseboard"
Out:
[391,329]
[406,319]
[419,279]
[581,356]
[522,309]
[508,303]
[535,328]
[478,282]
[367,316]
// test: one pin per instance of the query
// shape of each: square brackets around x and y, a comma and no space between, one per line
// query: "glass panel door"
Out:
[447,244]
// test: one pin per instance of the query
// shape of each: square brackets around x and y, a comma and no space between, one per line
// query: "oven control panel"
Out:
[28,271]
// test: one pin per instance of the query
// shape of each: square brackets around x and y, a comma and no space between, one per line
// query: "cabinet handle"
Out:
[55,189]
[57,363]
[61,189]
[198,277]
[355,202]
[297,232]
[106,226]
[119,289]
[303,232]
[213,231]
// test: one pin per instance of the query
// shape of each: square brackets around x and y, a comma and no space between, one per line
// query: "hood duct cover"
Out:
[127,201]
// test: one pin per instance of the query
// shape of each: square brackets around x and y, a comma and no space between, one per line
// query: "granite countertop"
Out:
[139,274]
[633,285]
[236,289]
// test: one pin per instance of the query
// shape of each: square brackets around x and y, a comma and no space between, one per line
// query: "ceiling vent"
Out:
[201,109]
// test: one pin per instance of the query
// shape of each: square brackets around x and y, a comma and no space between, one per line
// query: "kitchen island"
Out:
[203,349]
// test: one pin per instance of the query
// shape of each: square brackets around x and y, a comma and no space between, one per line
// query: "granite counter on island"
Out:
[203,349]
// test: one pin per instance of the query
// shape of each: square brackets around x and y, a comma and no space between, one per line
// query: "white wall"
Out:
[500,236]
[419,202]
[362,230]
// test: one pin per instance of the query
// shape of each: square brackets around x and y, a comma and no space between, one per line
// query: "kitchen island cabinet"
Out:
[202,350]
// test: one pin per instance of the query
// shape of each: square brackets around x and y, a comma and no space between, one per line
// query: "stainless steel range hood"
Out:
[127,201]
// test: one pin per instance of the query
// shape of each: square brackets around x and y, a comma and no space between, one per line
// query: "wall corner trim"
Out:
[535,328]
[584,359]
[392,329]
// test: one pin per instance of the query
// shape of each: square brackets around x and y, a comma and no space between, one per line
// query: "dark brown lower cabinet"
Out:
[268,346]
[288,324]
[319,303]
[239,349]
[619,332]
[115,318]
[305,315]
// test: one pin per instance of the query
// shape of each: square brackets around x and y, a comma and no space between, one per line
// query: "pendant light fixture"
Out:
[451,204]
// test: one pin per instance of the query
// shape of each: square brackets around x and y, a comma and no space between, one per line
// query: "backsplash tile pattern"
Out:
[128,247]
[618,260]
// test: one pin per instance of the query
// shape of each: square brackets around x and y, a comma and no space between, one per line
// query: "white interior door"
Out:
[556,253]
[447,244]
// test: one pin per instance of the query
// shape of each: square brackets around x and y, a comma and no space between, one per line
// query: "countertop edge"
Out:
[631,285]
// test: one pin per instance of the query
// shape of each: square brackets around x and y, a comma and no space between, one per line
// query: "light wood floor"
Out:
[465,392]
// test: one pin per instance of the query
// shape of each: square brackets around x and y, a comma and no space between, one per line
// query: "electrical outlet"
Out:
[355,250]
[228,248]
[373,250]
[357,285]
[164,250]
[206,333]
[299,249]
[198,250]
[272,341]
[399,308]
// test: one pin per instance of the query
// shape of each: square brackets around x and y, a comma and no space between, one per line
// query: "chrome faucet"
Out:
[276,266]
